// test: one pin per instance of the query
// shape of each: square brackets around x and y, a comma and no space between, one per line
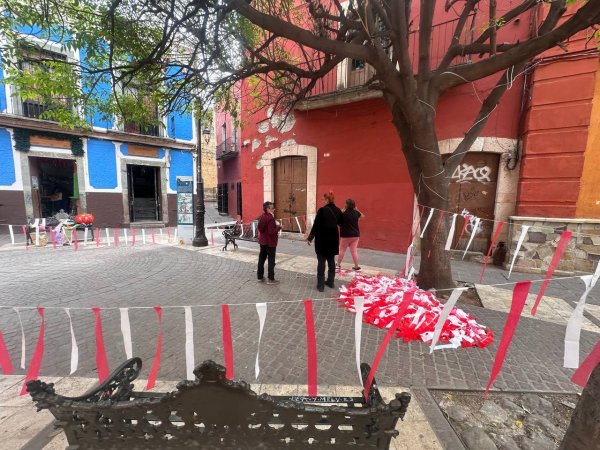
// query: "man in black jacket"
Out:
[327,240]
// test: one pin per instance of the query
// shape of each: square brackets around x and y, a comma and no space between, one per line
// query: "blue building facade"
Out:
[121,173]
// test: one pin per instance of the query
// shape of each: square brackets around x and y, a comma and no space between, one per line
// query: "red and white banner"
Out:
[156,364]
[101,359]
[38,354]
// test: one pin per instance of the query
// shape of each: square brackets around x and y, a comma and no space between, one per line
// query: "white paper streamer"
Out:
[161,235]
[36,223]
[427,223]
[443,316]
[519,242]
[126,332]
[261,309]
[253,229]
[107,237]
[74,348]
[22,338]
[451,233]
[411,272]
[408,258]
[44,222]
[359,306]
[37,235]
[473,233]
[298,223]
[189,344]
[12,234]
[573,332]
[175,236]
[144,236]
[125,234]
[85,236]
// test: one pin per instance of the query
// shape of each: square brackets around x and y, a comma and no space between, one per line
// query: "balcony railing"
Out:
[147,130]
[354,74]
[227,149]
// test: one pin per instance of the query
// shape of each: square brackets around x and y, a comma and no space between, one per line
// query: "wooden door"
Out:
[290,191]
[473,192]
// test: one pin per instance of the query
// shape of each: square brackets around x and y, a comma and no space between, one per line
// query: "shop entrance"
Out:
[143,184]
[54,186]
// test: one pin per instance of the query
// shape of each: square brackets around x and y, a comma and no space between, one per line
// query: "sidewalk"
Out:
[21,427]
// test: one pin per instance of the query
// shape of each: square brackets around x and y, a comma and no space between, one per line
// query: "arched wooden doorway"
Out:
[290,191]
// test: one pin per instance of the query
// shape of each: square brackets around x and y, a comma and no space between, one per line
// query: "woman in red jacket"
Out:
[268,231]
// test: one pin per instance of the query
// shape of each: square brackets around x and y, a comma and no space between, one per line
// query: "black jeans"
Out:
[321,269]
[266,252]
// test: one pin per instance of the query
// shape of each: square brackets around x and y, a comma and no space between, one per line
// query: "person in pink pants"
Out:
[350,233]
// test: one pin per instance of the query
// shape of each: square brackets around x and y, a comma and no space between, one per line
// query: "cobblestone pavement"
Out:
[170,276]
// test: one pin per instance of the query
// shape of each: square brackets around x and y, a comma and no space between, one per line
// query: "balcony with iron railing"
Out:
[350,77]
[227,149]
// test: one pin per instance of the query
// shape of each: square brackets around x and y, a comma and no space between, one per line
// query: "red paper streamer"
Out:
[227,344]
[464,227]
[168,234]
[487,257]
[406,300]
[437,228]
[97,237]
[116,237]
[560,249]
[520,292]
[212,237]
[53,238]
[152,233]
[24,228]
[5,363]
[38,353]
[156,364]
[75,243]
[101,360]
[311,348]
[305,222]
[582,375]
[133,233]
[414,228]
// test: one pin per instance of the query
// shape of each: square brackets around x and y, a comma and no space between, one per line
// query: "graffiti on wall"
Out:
[467,172]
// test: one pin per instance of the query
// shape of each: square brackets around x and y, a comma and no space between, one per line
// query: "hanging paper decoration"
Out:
[125,236]
[107,237]
[473,233]
[101,360]
[116,236]
[153,236]
[189,344]
[383,296]
[227,343]
[311,348]
[520,292]
[573,332]
[22,338]
[175,237]
[75,242]
[162,239]
[37,233]
[97,237]
[427,222]
[448,307]
[156,364]
[5,362]
[144,236]
[451,233]
[464,227]
[298,223]
[408,259]
[560,249]
[126,332]
[261,309]
[12,234]
[74,347]
[487,257]
[253,229]
[168,234]
[524,229]
[85,236]
[133,235]
[53,237]
[24,229]
[582,375]
[407,298]
[212,238]
[359,303]
[38,354]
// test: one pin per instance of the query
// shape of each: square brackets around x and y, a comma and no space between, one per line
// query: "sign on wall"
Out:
[185,200]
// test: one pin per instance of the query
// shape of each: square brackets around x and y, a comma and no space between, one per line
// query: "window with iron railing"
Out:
[39,106]
[148,129]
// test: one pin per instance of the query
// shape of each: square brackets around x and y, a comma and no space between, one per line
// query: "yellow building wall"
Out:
[588,202]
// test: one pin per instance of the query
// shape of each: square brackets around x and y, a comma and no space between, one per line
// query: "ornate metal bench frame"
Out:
[213,412]
[240,232]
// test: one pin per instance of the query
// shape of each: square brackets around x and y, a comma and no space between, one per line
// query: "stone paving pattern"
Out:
[171,276]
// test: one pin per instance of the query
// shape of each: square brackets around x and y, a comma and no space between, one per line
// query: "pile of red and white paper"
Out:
[383,295]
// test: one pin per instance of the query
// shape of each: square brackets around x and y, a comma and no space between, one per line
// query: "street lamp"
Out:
[200,238]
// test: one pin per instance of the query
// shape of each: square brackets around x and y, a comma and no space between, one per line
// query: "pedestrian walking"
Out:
[350,233]
[268,234]
[327,240]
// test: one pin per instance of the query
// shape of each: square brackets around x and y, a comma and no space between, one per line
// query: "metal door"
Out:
[290,191]
[473,193]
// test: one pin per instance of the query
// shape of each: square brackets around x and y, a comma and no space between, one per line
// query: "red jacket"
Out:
[268,230]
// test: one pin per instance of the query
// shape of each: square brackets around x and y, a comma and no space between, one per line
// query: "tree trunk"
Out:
[435,269]
[584,431]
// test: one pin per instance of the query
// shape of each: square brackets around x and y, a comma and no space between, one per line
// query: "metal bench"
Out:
[240,232]
[213,412]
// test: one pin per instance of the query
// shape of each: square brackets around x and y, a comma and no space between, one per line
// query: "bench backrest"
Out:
[213,412]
